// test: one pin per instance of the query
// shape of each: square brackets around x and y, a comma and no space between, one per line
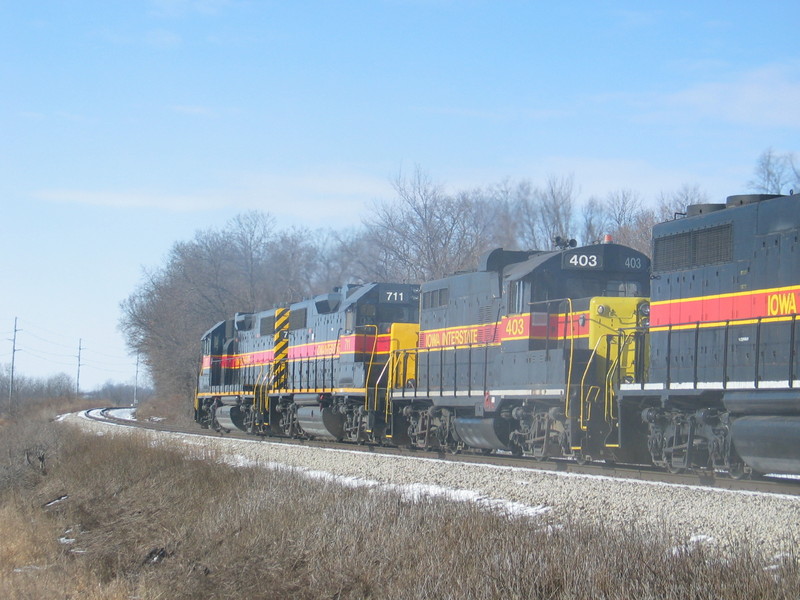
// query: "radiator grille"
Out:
[693,248]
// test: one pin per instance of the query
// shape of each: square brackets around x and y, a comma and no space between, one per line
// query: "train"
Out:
[688,362]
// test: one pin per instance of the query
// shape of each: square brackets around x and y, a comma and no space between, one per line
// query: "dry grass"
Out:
[152,524]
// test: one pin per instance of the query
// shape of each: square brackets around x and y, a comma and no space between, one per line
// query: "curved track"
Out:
[770,485]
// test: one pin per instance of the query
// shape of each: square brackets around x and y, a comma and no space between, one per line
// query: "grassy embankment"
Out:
[143,522]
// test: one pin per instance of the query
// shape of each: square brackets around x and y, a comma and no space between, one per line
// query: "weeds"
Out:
[134,521]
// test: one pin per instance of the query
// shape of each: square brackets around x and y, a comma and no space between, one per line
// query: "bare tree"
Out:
[499,201]
[529,216]
[545,213]
[594,221]
[673,204]
[244,267]
[775,173]
[622,206]
[424,233]
[556,202]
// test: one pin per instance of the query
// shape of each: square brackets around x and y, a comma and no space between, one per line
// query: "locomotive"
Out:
[317,368]
[589,353]
[722,388]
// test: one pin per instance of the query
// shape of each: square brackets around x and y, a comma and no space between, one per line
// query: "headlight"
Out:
[644,309]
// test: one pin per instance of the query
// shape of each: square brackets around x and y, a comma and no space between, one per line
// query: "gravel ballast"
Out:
[718,519]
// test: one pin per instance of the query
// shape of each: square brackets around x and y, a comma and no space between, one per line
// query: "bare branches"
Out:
[775,173]
[242,268]
[424,233]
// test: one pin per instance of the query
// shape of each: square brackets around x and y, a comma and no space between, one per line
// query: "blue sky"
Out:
[127,125]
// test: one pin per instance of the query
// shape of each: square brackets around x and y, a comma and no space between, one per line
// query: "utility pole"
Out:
[136,381]
[78,378]
[13,356]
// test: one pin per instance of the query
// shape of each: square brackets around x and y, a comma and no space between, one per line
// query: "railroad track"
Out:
[768,485]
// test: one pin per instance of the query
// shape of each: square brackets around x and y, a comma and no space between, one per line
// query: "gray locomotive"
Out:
[583,352]
[723,390]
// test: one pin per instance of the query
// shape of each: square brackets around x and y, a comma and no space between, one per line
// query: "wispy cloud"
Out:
[156,38]
[768,96]
[129,199]
[161,38]
[635,19]
[491,115]
[318,198]
[180,8]
[197,111]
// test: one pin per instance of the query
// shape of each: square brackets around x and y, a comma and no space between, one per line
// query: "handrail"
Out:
[378,380]
[583,382]
[256,387]
[726,325]
[371,362]
[571,356]
[609,404]
[389,366]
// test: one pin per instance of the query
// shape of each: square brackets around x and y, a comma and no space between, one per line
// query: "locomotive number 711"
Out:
[395,297]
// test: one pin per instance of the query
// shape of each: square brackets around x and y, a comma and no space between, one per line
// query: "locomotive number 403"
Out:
[633,262]
[583,260]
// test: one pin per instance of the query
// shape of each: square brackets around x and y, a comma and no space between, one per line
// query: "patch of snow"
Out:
[126,414]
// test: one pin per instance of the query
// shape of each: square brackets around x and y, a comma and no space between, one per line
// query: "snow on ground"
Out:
[126,414]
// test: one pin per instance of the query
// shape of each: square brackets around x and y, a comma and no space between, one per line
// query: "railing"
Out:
[757,375]
[615,370]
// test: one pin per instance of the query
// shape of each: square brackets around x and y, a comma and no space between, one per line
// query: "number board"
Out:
[632,262]
[590,258]
[609,258]
[395,296]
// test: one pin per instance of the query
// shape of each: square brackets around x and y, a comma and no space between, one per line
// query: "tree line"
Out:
[422,233]
[20,394]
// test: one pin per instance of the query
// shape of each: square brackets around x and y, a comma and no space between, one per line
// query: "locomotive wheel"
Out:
[736,471]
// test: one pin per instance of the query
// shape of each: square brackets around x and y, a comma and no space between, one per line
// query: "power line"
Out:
[47,341]
[86,357]
[13,357]
[78,378]
[48,331]
[44,358]
[58,354]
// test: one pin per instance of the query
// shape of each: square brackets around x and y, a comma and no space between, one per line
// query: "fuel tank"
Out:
[762,402]
[483,433]
[768,444]
[230,417]
[321,422]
